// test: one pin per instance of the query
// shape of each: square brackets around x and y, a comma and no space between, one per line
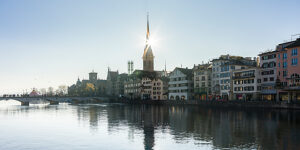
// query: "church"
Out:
[148,58]
[140,83]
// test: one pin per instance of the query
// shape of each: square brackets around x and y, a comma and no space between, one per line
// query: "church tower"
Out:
[148,58]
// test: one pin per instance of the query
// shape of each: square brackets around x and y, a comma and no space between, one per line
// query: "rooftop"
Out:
[295,44]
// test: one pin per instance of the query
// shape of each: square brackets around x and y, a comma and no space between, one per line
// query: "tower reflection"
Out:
[223,128]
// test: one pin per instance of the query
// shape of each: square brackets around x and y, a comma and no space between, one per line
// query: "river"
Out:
[137,127]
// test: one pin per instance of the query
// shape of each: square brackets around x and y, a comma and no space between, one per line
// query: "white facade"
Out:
[180,84]
[268,75]
[132,88]
[246,84]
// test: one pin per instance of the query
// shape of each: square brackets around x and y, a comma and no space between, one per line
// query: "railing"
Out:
[242,77]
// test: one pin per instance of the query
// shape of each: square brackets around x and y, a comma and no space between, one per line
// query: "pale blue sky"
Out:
[51,42]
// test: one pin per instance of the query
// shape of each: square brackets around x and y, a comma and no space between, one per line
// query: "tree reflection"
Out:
[223,128]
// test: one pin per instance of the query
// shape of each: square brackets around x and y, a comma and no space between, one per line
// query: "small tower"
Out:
[148,58]
[130,67]
[78,81]
[93,77]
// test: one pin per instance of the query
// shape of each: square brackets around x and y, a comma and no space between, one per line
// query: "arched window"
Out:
[182,97]
[172,97]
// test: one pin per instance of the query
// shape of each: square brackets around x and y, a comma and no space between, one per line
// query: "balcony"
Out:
[243,77]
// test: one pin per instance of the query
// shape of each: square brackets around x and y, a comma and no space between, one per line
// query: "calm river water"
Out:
[138,127]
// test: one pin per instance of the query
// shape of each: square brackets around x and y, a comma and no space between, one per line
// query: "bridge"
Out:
[56,100]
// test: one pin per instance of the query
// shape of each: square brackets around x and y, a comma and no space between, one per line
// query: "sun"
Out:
[153,41]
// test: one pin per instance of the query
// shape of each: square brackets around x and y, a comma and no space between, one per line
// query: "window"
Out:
[265,79]
[265,65]
[265,57]
[284,64]
[294,52]
[294,61]
[284,56]
[272,79]
[258,80]
[272,64]
[284,73]
[278,55]
[258,88]
[278,64]
[225,68]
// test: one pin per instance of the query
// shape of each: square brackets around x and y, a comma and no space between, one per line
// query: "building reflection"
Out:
[223,128]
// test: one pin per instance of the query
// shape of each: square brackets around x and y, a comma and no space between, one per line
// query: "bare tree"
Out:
[50,91]
[62,90]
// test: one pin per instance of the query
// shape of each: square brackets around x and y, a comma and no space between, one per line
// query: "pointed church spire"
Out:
[148,31]
[148,62]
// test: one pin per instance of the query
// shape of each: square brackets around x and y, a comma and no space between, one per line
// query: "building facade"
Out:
[222,69]
[160,88]
[112,83]
[289,70]
[138,85]
[247,84]
[120,84]
[268,62]
[181,84]
[202,81]
[132,87]
[91,87]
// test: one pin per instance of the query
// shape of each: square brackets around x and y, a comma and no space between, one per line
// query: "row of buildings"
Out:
[273,75]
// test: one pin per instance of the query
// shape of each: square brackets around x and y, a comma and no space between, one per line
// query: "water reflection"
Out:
[223,128]
[220,128]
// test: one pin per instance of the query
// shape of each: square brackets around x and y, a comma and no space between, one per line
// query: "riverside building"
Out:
[289,70]
[159,88]
[268,75]
[202,81]
[181,84]
[246,84]
[222,69]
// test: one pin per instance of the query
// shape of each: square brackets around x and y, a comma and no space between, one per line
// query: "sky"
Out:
[53,42]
